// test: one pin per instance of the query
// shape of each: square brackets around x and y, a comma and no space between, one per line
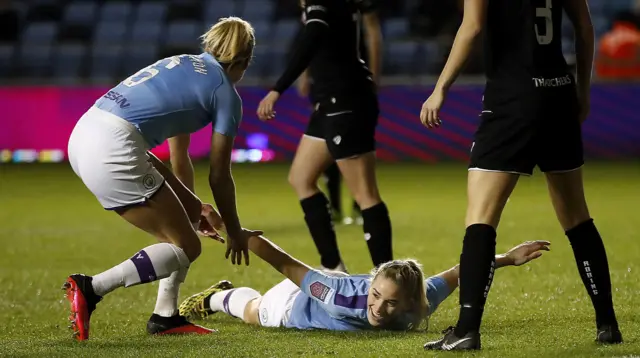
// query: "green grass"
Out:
[52,226]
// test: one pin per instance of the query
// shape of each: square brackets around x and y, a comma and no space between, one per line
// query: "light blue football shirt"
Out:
[339,303]
[176,95]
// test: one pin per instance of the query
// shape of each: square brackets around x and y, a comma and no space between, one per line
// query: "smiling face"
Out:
[384,302]
[397,296]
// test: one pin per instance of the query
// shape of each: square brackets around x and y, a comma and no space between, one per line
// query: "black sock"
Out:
[477,265]
[593,266]
[356,209]
[318,218]
[377,232]
[332,175]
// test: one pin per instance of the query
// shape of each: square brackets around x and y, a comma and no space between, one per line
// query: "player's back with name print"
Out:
[171,96]
[169,84]
[524,39]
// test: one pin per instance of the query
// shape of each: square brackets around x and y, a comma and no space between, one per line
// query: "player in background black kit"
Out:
[342,127]
[533,110]
[370,48]
[333,181]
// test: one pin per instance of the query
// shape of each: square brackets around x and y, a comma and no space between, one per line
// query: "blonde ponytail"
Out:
[231,41]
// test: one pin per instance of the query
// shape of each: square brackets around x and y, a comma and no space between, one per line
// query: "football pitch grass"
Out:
[52,227]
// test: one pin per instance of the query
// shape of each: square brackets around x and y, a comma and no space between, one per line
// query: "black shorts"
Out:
[347,125]
[518,132]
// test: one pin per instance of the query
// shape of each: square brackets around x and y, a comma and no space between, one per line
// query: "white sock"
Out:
[149,264]
[168,291]
[234,301]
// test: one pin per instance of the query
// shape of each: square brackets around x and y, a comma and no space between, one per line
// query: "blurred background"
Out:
[58,57]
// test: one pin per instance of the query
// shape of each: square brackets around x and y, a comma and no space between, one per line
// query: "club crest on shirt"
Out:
[149,181]
[264,316]
[320,291]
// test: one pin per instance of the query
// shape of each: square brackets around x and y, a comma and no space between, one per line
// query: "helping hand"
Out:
[238,245]
[527,251]
[210,223]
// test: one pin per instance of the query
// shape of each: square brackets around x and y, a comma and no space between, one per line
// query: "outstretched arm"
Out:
[440,286]
[517,256]
[287,265]
[226,120]
[338,295]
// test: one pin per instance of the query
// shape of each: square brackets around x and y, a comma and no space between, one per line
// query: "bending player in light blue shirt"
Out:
[109,150]
[394,296]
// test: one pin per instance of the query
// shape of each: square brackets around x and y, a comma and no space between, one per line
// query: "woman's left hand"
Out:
[210,223]
[527,251]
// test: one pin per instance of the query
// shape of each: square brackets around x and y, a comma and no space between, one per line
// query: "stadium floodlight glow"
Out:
[257,141]
[5,156]
[32,156]
[254,155]
[51,156]
[25,156]
[58,156]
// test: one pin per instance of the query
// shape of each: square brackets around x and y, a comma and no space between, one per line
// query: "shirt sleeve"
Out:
[316,24]
[437,291]
[227,110]
[339,296]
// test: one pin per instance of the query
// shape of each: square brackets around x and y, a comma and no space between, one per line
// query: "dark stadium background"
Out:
[57,57]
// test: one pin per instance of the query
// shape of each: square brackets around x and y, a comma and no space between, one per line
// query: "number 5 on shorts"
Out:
[149,72]
[545,12]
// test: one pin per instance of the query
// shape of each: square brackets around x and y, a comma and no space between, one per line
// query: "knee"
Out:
[251,312]
[571,210]
[303,185]
[367,200]
[484,213]
[573,217]
[297,180]
[193,249]
[366,196]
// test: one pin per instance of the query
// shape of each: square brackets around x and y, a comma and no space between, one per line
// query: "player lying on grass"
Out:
[394,296]
[108,150]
